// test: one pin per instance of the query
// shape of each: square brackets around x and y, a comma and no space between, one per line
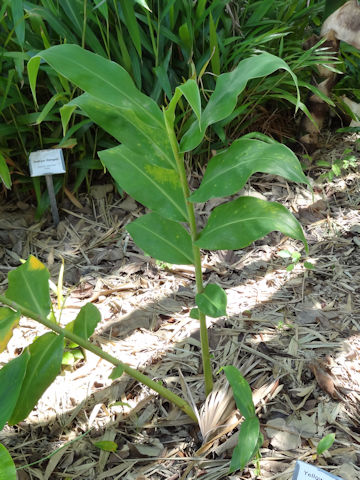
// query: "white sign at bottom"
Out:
[305,471]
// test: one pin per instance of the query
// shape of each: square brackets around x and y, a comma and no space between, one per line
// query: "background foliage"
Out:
[160,43]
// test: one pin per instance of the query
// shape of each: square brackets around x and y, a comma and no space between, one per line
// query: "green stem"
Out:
[179,157]
[140,377]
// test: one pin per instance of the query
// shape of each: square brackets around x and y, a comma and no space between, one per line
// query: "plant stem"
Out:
[179,157]
[140,377]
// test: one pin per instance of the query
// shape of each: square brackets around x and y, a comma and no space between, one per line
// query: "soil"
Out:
[293,332]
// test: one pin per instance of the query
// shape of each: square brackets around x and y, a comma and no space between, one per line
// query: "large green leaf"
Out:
[212,301]
[241,391]
[43,366]
[7,466]
[112,85]
[85,322]
[11,378]
[163,239]
[237,224]
[155,187]
[8,321]
[228,171]
[248,444]
[29,286]
[127,128]
[228,87]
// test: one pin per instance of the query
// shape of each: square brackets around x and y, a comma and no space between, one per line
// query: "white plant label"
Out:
[305,471]
[46,162]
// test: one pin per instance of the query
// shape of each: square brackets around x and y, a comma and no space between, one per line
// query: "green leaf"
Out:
[212,301]
[228,171]
[85,322]
[127,127]
[131,23]
[155,187]
[48,107]
[195,313]
[296,256]
[190,90]
[106,445]
[247,444]
[237,224]
[241,391]
[17,10]
[290,267]
[162,74]
[325,443]
[11,378]
[110,84]
[323,163]
[4,172]
[46,354]
[68,359]
[101,5]
[336,169]
[163,239]
[309,266]
[29,286]
[117,372]
[228,87]
[214,46]
[185,37]
[8,321]
[7,466]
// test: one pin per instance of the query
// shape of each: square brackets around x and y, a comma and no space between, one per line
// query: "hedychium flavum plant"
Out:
[149,165]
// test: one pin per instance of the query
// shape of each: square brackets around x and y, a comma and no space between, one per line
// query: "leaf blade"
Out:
[212,301]
[191,92]
[43,366]
[228,171]
[4,172]
[116,121]
[29,286]
[8,321]
[247,443]
[85,322]
[163,239]
[241,390]
[228,87]
[11,378]
[155,187]
[7,466]
[325,443]
[109,83]
[237,224]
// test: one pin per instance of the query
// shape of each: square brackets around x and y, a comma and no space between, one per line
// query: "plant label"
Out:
[46,162]
[305,471]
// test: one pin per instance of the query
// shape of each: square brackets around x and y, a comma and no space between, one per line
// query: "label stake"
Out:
[48,163]
[52,198]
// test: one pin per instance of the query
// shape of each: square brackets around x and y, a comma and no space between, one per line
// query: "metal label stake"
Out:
[48,163]
[52,198]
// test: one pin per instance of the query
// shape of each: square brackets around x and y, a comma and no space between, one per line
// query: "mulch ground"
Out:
[295,335]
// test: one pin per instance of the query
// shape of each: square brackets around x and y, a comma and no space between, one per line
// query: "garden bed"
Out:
[294,334]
